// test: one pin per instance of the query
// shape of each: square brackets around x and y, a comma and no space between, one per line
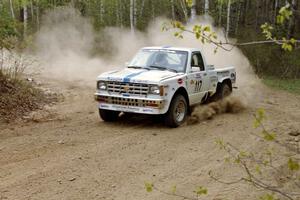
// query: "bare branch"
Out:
[229,46]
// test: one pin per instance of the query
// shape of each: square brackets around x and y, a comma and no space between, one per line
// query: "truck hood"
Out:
[138,75]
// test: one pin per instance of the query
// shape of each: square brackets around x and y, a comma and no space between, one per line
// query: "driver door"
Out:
[198,82]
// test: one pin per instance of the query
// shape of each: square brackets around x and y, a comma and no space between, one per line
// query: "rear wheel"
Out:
[109,115]
[223,90]
[177,112]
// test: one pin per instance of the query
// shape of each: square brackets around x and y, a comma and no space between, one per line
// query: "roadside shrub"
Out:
[17,97]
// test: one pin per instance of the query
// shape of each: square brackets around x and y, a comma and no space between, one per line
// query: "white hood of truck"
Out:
[138,75]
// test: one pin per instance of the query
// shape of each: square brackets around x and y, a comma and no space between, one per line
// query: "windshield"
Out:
[160,59]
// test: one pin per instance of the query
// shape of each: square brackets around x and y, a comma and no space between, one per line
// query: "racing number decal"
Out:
[198,85]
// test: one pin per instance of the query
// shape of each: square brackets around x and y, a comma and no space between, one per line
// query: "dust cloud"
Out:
[66,43]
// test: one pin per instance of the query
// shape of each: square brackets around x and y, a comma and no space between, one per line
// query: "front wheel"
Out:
[177,112]
[109,115]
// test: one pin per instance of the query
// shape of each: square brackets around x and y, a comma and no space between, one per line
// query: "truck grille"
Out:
[130,102]
[138,89]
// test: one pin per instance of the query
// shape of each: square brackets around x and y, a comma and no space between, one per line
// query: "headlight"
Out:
[154,89]
[101,85]
[157,90]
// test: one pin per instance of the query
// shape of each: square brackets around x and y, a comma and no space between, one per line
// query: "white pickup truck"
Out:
[164,81]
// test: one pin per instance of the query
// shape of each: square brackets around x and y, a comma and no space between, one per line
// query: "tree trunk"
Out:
[206,7]
[142,8]
[117,12]
[228,18]
[238,18]
[291,27]
[257,15]
[101,12]
[31,9]
[25,17]
[135,13]
[12,10]
[244,13]
[132,27]
[37,17]
[275,11]
[72,3]
[153,9]
[173,9]
[121,12]
[220,14]
[193,11]
[184,9]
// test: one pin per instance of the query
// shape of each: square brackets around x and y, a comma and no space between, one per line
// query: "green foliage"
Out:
[258,169]
[286,44]
[267,30]
[7,29]
[293,165]
[220,143]
[174,189]
[284,14]
[259,117]
[267,197]
[258,122]
[268,136]
[200,191]
[149,187]
[189,3]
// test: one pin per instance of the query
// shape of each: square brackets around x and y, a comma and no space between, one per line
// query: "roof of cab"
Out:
[172,48]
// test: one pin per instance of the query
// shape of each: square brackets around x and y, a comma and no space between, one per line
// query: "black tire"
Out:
[109,115]
[223,90]
[175,117]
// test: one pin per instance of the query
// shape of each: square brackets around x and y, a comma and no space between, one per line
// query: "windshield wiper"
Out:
[163,68]
[137,67]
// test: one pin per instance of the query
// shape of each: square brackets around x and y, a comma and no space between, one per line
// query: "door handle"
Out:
[204,74]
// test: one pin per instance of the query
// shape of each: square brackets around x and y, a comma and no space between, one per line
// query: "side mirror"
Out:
[194,69]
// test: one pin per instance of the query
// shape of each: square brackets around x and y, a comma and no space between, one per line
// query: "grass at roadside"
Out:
[290,85]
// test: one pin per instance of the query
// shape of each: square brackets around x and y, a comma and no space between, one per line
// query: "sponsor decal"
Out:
[103,106]
[198,85]
[138,81]
[114,79]
[147,110]
[125,108]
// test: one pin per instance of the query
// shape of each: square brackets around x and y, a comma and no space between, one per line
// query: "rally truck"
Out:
[165,81]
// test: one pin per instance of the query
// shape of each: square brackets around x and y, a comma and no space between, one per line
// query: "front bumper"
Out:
[130,104]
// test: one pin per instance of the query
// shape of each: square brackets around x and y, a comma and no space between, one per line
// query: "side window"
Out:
[197,61]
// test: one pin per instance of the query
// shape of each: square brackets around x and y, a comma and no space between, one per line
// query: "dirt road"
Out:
[72,154]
